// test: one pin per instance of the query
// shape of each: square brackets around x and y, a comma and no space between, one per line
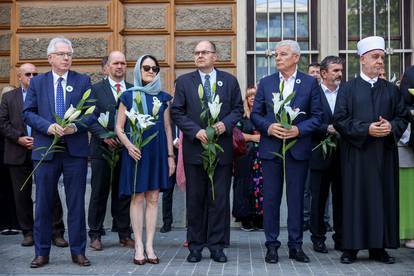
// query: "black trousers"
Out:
[321,181]
[167,202]
[208,219]
[8,218]
[101,186]
[24,203]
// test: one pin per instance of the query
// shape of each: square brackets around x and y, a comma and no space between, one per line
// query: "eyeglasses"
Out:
[155,69]
[203,53]
[31,74]
[62,54]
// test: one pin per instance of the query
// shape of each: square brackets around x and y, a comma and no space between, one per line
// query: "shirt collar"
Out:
[368,79]
[293,76]
[212,74]
[112,82]
[326,89]
[56,77]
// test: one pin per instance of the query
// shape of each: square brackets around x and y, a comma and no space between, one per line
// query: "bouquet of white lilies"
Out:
[71,116]
[139,123]
[284,115]
[212,148]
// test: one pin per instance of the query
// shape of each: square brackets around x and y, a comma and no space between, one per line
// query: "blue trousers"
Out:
[74,171]
[296,172]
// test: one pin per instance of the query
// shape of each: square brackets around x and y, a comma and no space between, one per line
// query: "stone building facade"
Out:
[168,29]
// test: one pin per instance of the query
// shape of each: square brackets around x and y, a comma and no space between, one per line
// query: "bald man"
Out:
[17,156]
[106,93]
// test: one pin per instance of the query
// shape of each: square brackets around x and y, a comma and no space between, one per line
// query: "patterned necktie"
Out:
[118,87]
[60,100]
[207,88]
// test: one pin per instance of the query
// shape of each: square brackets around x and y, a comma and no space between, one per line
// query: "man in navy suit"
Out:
[307,99]
[49,94]
[325,171]
[208,219]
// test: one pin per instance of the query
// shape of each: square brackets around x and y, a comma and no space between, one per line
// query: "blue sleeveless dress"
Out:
[152,170]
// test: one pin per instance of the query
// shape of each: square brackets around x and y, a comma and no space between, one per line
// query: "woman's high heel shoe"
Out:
[151,261]
[140,262]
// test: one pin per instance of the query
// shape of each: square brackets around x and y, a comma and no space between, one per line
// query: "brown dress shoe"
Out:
[39,261]
[81,260]
[127,242]
[27,240]
[96,245]
[59,242]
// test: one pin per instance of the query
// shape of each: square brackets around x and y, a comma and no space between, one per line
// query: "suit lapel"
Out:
[19,99]
[219,83]
[107,90]
[51,92]
[69,95]
[296,88]
[326,107]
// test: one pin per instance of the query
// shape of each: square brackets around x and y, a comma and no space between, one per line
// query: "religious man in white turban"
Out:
[370,117]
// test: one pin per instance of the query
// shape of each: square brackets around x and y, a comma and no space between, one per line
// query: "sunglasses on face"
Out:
[154,69]
[31,74]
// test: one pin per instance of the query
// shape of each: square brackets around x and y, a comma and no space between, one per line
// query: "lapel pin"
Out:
[69,88]
[220,83]
[298,81]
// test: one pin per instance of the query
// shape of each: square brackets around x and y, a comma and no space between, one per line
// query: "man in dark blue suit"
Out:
[325,171]
[49,94]
[208,219]
[307,99]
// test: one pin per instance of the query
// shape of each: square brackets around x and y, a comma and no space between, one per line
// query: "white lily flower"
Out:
[104,119]
[132,115]
[74,116]
[156,106]
[277,102]
[215,107]
[145,120]
[69,112]
[200,92]
[293,113]
[90,110]
[411,90]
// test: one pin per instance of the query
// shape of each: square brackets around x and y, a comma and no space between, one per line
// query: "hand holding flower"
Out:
[55,129]
[219,127]
[134,152]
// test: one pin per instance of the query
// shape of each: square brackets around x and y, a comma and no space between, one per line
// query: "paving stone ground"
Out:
[245,254]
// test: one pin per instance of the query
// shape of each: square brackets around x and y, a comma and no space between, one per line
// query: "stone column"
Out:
[241,44]
[328,28]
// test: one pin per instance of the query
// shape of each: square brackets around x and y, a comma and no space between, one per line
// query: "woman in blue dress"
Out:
[155,160]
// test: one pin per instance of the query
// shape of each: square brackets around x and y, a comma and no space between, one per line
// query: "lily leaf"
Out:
[210,133]
[149,138]
[290,145]
[277,154]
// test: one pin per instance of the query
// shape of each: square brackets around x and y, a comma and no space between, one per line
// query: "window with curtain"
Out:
[270,21]
[386,18]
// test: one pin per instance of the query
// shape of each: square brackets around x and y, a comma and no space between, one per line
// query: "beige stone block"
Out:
[63,15]
[144,17]
[5,15]
[184,49]
[83,47]
[152,45]
[4,67]
[203,18]
[5,40]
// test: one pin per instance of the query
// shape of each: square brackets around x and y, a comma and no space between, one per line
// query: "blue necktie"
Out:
[207,88]
[60,99]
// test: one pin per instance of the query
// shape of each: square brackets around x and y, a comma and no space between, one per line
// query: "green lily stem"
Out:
[284,161]
[54,142]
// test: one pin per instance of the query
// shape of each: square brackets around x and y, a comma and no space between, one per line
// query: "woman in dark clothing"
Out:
[248,180]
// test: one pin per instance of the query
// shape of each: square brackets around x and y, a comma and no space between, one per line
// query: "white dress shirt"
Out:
[330,96]
[289,84]
[213,78]
[64,83]
[368,79]
[113,87]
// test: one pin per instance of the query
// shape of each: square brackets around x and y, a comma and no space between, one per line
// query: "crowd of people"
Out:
[311,134]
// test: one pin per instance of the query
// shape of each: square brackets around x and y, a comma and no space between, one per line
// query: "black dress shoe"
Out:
[194,256]
[218,256]
[298,255]
[39,261]
[165,228]
[380,255]
[271,255]
[349,256]
[320,247]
